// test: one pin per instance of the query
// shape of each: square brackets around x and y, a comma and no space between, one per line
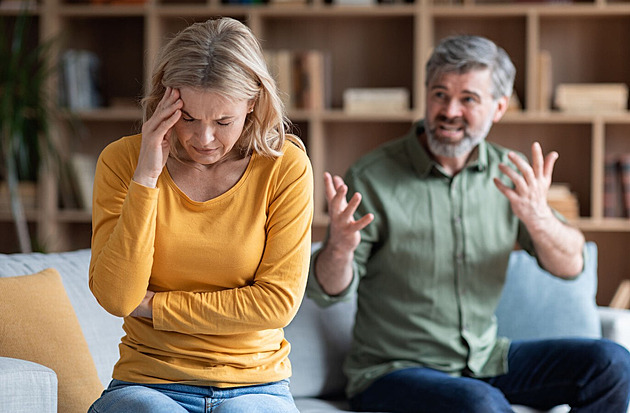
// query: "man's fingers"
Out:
[505,190]
[329,189]
[550,161]
[338,202]
[518,180]
[363,222]
[523,166]
[338,181]
[347,212]
[537,159]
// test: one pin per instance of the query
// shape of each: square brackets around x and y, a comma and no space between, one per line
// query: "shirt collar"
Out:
[423,163]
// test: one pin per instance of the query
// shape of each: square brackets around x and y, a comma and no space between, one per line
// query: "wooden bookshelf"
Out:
[381,45]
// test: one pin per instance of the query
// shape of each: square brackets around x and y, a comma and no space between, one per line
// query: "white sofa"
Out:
[319,336]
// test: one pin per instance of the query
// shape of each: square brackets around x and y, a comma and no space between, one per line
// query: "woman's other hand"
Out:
[145,309]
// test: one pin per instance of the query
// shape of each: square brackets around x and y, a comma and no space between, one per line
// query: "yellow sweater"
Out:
[229,273]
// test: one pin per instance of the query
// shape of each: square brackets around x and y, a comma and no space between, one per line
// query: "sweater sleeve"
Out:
[123,232]
[273,297]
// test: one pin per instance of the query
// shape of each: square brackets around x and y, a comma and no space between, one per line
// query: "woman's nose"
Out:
[207,134]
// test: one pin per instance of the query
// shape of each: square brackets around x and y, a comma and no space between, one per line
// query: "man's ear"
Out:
[502,105]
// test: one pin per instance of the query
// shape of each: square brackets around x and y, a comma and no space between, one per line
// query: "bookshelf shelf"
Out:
[374,46]
[91,10]
[31,216]
[339,115]
[108,114]
[621,225]
[74,216]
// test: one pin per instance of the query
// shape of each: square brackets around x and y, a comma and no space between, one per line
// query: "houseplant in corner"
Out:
[25,106]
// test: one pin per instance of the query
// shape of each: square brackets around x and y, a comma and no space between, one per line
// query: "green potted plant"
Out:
[25,109]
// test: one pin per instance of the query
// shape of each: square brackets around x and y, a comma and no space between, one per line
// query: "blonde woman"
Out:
[201,233]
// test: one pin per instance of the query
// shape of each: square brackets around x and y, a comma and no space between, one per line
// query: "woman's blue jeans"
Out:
[124,397]
[589,375]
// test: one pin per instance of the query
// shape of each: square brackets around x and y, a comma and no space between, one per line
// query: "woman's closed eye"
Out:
[186,117]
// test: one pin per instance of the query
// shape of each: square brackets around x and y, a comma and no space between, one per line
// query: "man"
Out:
[438,212]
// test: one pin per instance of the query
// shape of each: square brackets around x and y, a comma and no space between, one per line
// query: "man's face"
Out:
[460,112]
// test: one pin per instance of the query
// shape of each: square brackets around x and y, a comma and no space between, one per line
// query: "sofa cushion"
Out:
[319,338]
[102,330]
[20,380]
[536,305]
[38,324]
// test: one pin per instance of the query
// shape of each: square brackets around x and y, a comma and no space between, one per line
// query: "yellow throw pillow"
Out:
[38,323]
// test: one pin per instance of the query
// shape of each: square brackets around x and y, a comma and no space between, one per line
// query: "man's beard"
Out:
[455,150]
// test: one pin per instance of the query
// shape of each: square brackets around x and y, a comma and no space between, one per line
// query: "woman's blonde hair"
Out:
[224,56]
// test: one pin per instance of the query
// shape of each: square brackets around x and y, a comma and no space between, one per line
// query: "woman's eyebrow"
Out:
[187,114]
[224,117]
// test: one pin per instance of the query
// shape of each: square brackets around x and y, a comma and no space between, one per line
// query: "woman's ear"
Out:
[251,105]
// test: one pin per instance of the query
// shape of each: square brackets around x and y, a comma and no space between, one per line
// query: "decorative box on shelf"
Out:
[592,97]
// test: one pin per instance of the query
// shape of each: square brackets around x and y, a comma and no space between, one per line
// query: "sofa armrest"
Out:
[27,387]
[615,325]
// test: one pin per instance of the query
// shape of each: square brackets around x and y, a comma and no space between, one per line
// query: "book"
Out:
[562,199]
[545,81]
[118,1]
[612,193]
[314,89]
[16,4]
[284,78]
[27,191]
[624,173]
[354,2]
[67,194]
[80,80]
[288,2]
[83,169]
[302,77]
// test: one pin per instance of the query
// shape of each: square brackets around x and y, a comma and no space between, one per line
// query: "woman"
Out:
[201,233]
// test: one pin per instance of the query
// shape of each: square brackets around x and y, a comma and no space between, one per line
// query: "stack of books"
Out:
[303,77]
[592,97]
[27,192]
[562,199]
[76,182]
[617,185]
[80,78]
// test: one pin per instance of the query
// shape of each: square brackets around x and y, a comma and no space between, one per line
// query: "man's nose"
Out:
[452,108]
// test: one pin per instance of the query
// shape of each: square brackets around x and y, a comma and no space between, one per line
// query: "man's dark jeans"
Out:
[589,375]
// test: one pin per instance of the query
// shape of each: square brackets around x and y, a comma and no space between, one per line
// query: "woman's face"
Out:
[210,125]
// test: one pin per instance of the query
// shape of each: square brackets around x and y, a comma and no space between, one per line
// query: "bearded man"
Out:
[424,241]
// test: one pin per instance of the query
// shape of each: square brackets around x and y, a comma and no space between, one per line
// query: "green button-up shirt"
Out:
[431,266]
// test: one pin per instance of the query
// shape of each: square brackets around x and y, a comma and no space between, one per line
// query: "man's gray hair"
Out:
[461,54]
